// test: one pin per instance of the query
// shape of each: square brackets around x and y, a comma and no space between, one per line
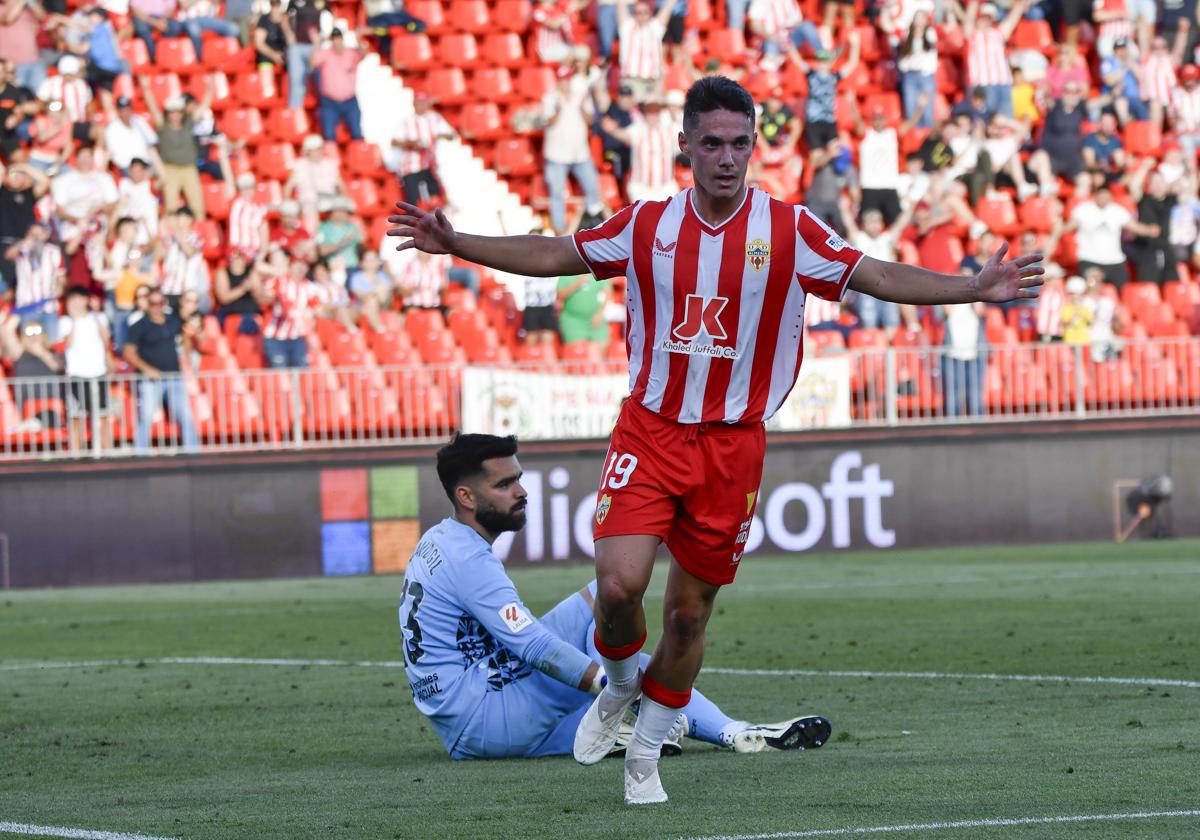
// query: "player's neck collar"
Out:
[714,229]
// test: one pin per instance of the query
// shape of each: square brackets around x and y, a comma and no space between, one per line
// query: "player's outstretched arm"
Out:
[532,256]
[998,281]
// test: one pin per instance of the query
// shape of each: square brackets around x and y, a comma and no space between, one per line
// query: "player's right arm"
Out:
[532,256]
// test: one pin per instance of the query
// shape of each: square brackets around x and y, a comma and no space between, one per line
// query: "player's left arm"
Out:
[998,281]
[495,602]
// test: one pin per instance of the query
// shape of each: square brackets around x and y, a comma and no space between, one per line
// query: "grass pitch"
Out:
[324,750]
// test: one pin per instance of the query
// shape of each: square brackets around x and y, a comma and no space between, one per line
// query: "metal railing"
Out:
[280,410]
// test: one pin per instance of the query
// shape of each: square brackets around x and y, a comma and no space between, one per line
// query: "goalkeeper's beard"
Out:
[496,521]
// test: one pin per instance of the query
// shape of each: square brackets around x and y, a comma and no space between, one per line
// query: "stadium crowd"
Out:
[929,131]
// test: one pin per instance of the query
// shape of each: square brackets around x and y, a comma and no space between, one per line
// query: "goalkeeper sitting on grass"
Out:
[495,681]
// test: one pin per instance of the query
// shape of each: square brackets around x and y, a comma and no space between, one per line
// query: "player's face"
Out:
[720,147]
[499,496]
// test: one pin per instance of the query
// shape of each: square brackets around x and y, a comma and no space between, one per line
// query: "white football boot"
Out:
[642,785]
[802,733]
[601,724]
[671,747]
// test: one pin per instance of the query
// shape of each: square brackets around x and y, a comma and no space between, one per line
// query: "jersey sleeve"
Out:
[824,261]
[608,248]
[494,601]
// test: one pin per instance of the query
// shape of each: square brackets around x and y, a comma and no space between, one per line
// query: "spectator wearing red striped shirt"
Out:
[1158,78]
[641,36]
[247,225]
[41,277]
[987,56]
[1185,113]
[69,88]
[717,277]
[652,138]
[289,300]
[422,280]
[416,137]
[553,32]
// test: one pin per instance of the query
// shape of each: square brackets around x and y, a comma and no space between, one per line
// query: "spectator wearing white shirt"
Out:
[1098,224]
[567,110]
[89,360]
[879,160]
[416,138]
[136,199]
[315,181]
[641,36]
[879,242]
[128,136]
[652,138]
[540,318]
[83,196]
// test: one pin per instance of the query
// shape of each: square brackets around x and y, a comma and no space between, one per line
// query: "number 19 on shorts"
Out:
[618,471]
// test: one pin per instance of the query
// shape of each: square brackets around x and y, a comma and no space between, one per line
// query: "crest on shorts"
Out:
[758,253]
[602,508]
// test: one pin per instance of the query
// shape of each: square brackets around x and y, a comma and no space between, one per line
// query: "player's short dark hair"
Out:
[715,93]
[464,455]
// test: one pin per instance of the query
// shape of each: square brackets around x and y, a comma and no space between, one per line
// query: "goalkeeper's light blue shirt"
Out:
[466,633]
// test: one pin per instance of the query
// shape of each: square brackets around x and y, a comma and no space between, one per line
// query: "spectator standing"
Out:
[26,347]
[315,181]
[1114,20]
[16,108]
[247,218]
[151,347]
[200,16]
[1049,307]
[178,151]
[20,23]
[88,358]
[1098,223]
[41,277]
[833,175]
[128,136]
[879,160]
[1120,75]
[105,61]
[272,37]
[304,20]
[553,32]
[339,77]
[238,287]
[820,121]
[540,319]
[987,58]
[964,359]
[339,238]
[1153,256]
[182,253]
[653,141]
[882,242]
[918,62]
[416,137]
[1158,79]
[606,26]
[154,17]
[136,199]
[1185,113]
[289,300]
[641,33]
[782,27]
[69,88]
[568,111]
[620,112]
[23,186]
[582,300]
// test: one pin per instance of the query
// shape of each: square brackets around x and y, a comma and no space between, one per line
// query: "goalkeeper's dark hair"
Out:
[462,458]
[715,93]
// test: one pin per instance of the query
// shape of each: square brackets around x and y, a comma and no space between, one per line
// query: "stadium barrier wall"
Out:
[361,512]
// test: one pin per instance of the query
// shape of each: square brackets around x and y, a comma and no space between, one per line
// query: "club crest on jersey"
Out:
[664,251]
[758,253]
[602,508]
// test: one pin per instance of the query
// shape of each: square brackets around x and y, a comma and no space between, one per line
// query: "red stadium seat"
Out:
[212,85]
[535,82]
[176,55]
[242,124]
[999,214]
[513,15]
[362,158]
[699,15]
[481,121]
[458,49]
[1033,35]
[493,84]
[726,44]
[256,88]
[412,52]
[1184,297]
[288,124]
[503,49]
[209,231]
[164,86]
[222,53]
[136,54]
[515,157]
[448,85]
[430,12]
[365,197]
[268,193]
[1140,297]
[275,160]
[1143,139]
[216,200]
[470,16]
[1039,213]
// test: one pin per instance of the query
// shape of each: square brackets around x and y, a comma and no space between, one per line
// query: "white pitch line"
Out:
[737,672]
[77,833]
[948,826]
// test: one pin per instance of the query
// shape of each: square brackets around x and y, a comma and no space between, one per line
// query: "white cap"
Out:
[1076,285]
[312,141]
[175,103]
[676,98]
[69,64]
[246,179]
[290,208]
[988,10]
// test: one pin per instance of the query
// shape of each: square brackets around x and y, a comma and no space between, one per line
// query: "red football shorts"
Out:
[693,485]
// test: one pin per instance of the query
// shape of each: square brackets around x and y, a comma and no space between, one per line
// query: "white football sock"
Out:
[653,723]
[729,730]
[621,673]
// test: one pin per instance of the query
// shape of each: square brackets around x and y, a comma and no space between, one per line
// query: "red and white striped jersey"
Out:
[423,129]
[425,276]
[1049,311]
[331,293]
[38,273]
[653,145]
[987,62]
[75,96]
[291,313]
[642,49]
[715,314]
[245,224]
[552,41]
[1121,27]
[1158,78]
[1185,110]
[818,311]
[775,16]
[181,272]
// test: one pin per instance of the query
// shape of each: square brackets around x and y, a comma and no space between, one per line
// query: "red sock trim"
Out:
[666,696]
[623,652]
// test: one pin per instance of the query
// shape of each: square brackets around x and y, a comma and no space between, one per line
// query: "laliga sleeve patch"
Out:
[835,242]
[515,617]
